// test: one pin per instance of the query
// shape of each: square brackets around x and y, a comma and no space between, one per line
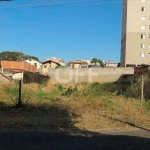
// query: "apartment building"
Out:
[135,42]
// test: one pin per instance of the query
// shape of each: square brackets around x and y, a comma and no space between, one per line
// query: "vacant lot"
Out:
[69,107]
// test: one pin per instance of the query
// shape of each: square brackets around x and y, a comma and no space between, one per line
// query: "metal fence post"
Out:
[142,90]
[19,104]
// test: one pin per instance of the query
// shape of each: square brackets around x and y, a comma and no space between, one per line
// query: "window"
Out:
[143,27]
[143,36]
[143,9]
[149,55]
[45,66]
[142,54]
[142,45]
[143,18]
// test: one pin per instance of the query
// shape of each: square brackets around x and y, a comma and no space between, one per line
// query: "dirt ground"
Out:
[137,139]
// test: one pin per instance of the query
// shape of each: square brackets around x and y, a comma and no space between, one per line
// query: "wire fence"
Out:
[137,88]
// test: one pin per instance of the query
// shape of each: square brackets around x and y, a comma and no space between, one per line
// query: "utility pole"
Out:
[19,104]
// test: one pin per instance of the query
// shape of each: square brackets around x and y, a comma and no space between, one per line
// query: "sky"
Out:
[67,29]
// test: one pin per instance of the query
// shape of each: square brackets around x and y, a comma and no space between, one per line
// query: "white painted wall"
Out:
[17,76]
[35,63]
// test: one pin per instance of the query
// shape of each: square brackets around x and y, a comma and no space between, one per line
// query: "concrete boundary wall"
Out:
[90,74]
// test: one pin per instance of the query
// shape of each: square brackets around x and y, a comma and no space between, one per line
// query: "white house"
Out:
[35,63]
[57,60]
[111,63]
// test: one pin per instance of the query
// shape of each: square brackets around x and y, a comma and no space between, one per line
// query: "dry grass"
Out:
[57,112]
[121,113]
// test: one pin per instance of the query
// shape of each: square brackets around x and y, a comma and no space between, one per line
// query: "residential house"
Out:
[95,65]
[15,69]
[87,61]
[58,60]
[35,63]
[49,64]
[111,63]
[78,64]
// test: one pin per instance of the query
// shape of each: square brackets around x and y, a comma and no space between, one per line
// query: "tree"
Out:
[7,55]
[100,62]
[31,58]
[34,58]
[95,60]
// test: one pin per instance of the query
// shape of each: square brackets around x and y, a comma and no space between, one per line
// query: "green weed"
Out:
[41,94]
[108,104]
[70,91]
[147,105]
[60,87]
[92,90]
[11,91]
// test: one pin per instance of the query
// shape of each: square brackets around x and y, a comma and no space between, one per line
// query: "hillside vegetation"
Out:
[16,56]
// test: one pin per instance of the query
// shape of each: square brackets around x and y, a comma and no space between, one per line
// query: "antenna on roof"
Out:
[21,53]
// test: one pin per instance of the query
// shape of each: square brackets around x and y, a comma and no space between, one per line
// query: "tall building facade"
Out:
[135,42]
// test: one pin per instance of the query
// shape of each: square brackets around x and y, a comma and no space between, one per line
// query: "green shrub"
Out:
[147,105]
[54,99]
[146,89]
[41,94]
[134,91]
[111,87]
[96,89]
[60,87]
[11,91]
[70,91]
[93,89]
[119,87]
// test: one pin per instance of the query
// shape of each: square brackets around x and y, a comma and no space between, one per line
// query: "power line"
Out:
[55,3]
[5,0]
